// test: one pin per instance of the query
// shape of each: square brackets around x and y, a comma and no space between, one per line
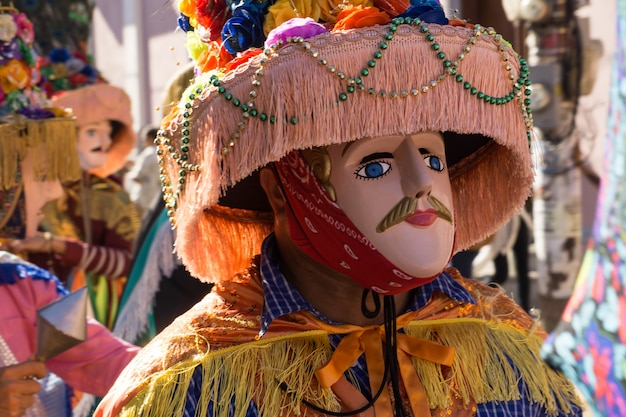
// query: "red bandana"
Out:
[321,229]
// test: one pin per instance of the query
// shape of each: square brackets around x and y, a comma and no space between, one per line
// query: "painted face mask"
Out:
[94,141]
[378,210]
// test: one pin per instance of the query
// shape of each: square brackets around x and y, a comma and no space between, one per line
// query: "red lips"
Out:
[423,218]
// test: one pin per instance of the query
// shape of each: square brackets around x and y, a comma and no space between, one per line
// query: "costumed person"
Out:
[94,225]
[375,141]
[589,343]
[37,151]
[159,287]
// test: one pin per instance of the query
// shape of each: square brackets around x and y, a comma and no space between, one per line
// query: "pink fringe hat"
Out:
[400,78]
[97,102]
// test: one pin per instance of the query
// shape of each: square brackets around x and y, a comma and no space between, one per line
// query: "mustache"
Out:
[406,208]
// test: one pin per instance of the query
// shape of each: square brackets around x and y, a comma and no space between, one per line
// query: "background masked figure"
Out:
[37,151]
[374,144]
[94,225]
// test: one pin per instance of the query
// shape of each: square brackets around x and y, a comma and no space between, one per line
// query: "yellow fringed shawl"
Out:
[219,334]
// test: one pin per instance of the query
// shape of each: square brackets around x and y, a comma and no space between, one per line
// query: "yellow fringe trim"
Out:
[52,143]
[481,372]
[241,373]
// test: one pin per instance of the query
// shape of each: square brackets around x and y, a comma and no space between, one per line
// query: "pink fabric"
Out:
[321,229]
[90,367]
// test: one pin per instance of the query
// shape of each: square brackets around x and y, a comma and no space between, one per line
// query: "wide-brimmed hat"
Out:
[99,102]
[311,86]
[28,122]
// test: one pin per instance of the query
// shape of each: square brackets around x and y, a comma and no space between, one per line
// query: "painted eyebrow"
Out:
[374,156]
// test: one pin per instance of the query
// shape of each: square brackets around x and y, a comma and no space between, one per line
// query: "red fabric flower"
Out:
[212,15]
[360,17]
[392,7]
[215,56]
[242,58]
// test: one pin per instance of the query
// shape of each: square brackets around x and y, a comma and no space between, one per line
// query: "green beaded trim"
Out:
[520,92]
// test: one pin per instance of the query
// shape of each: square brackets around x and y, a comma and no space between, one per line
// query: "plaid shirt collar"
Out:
[282,298]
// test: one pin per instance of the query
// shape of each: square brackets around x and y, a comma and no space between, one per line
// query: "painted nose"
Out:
[416,179]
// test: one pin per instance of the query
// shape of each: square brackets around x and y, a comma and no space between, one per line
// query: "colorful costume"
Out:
[96,217]
[268,345]
[24,288]
[384,80]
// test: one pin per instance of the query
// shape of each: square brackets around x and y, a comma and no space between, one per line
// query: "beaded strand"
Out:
[520,91]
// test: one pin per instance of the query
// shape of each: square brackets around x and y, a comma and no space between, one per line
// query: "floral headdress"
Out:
[27,120]
[294,74]
[64,70]
[73,82]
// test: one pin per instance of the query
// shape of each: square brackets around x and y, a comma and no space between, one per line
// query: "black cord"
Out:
[370,314]
[390,357]
[391,353]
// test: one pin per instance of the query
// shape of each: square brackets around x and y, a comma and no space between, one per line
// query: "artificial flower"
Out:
[194,45]
[392,7]
[33,112]
[284,10]
[16,100]
[243,30]
[188,8]
[15,75]
[58,70]
[213,57]
[360,17]
[24,28]
[9,50]
[59,55]
[302,27]
[212,14]
[61,84]
[26,52]
[430,11]
[36,97]
[184,24]
[8,28]
[331,8]
[78,79]
[242,58]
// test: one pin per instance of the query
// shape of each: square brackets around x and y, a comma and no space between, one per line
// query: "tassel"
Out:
[53,146]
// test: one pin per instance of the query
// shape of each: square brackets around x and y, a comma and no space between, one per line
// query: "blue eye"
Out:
[373,170]
[434,162]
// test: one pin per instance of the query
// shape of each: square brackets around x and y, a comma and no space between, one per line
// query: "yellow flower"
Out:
[284,10]
[331,8]
[188,8]
[194,45]
[59,70]
[14,76]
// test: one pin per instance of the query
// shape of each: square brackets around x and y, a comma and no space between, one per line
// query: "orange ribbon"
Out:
[369,341]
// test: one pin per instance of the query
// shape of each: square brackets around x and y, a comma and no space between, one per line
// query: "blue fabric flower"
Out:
[243,30]
[59,55]
[430,11]
[90,72]
[253,6]
[183,23]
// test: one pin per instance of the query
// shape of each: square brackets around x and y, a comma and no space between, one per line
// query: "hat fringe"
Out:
[52,143]
[228,239]
[304,96]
